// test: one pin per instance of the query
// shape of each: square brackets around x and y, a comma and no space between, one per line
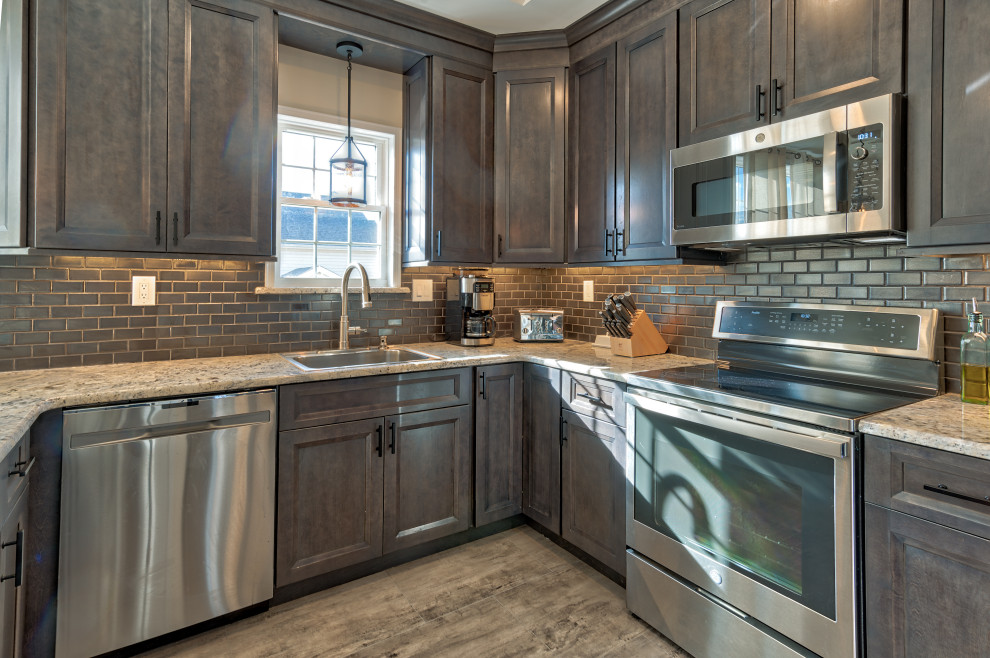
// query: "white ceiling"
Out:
[510,16]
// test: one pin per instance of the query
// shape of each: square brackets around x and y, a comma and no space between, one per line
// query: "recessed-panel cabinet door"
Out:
[592,158]
[498,443]
[428,482]
[645,132]
[221,137]
[100,124]
[541,445]
[13,121]
[828,53]
[948,111]
[417,233]
[329,498]
[724,67]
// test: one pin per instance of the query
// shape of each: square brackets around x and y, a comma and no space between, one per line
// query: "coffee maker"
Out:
[470,300]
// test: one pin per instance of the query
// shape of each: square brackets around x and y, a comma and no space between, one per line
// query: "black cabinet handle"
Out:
[18,559]
[945,491]
[175,229]
[158,227]
[378,448]
[593,399]
[21,471]
[391,442]
[500,245]
[760,112]
[619,235]
[608,236]
[776,89]
[439,243]
[482,393]
[563,431]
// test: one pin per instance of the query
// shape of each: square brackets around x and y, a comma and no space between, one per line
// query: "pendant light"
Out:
[348,168]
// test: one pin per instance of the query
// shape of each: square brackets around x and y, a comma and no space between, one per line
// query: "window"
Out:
[316,241]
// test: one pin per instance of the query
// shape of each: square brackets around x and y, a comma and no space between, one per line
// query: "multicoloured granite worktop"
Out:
[24,395]
[943,422]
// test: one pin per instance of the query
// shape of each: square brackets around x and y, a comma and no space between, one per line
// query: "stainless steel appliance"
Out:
[470,301]
[538,325]
[742,499]
[168,517]
[833,175]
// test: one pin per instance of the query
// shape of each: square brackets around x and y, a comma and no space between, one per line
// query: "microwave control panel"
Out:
[865,172]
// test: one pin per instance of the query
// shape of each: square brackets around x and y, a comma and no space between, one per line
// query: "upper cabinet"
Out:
[154,126]
[530,125]
[948,199]
[448,142]
[748,62]
[13,106]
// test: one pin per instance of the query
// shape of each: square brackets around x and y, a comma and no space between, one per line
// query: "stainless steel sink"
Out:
[331,359]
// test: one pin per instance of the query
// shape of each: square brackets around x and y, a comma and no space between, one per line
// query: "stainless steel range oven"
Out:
[742,498]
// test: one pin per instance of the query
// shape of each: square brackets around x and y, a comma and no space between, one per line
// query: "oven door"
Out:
[755,511]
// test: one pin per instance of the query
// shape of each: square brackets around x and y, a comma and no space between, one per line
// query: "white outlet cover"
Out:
[422,290]
[143,291]
[589,291]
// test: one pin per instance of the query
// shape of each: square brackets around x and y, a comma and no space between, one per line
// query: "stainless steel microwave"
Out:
[833,175]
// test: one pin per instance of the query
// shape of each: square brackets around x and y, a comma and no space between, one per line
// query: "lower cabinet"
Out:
[541,445]
[350,492]
[927,551]
[498,414]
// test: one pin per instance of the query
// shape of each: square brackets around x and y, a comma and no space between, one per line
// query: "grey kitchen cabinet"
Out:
[948,109]
[13,124]
[530,133]
[13,531]
[745,63]
[927,551]
[498,413]
[541,445]
[154,126]
[623,104]
[356,489]
[449,142]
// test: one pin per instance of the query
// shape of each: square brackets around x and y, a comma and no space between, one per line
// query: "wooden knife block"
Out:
[645,341]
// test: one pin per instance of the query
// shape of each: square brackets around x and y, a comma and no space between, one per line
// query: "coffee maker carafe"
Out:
[470,301]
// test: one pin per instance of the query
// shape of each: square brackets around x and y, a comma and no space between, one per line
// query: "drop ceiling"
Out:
[510,16]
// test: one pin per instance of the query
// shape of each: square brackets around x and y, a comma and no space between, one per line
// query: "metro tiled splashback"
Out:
[67,310]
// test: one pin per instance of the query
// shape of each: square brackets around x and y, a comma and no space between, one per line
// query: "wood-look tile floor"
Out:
[511,594]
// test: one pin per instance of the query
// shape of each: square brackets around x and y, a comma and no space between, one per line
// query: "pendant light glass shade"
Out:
[348,168]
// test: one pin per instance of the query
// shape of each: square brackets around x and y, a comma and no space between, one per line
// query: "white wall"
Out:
[312,82]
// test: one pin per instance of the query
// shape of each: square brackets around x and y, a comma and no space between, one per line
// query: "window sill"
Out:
[329,290]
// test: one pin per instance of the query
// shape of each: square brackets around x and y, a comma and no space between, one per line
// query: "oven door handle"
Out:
[834,446]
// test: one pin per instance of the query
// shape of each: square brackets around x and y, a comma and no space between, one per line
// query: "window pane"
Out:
[332,225]
[297,223]
[369,257]
[295,260]
[365,226]
[323,185]
[297,149]
[370,153]
[325,148]
[372,190]
[297,183]
[332,261]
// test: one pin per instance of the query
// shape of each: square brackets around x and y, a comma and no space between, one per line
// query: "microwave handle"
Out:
[830,173]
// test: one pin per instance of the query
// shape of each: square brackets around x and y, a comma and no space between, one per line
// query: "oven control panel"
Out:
[865,173]
[865,328]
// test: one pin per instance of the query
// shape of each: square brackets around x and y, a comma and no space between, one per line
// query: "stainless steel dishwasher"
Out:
[168,517]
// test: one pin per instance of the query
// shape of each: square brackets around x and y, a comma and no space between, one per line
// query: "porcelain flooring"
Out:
[511,594]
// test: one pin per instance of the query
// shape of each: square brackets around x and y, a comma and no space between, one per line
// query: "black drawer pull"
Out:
[21,471]
[175,229]
[944,490]
[482,391]
[391,443]
[593,399]
[18,558]
[158,227]
[378,448]
[563,431]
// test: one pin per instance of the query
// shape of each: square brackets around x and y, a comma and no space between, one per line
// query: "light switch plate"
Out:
[422,290]
[589,291]
[143,291]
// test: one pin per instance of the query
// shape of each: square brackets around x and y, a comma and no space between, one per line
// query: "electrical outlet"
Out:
[422,290]
[143,291]
[589,291]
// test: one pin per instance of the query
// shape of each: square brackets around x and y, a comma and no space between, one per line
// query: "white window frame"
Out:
[388,177]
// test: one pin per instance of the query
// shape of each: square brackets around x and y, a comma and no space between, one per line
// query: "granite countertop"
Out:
[24,395]
[942,422]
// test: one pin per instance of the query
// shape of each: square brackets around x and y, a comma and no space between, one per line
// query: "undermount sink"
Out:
[331,359]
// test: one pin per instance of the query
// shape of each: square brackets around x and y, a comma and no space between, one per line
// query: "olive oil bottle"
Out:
[973,358]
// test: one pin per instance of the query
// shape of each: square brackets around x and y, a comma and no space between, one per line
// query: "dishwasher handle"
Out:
[128,434]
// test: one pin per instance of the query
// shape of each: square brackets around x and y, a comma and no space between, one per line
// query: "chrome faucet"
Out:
[345,322]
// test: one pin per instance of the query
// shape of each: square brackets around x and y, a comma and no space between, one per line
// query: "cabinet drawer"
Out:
[13,465]
[599,398]
[935,485]
[320,403]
